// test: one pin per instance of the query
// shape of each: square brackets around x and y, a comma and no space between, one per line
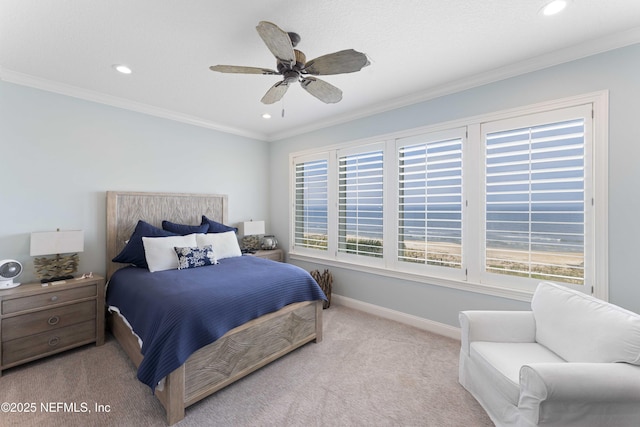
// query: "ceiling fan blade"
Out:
[241,70]
[345,61]
[325,92]
[275,93]
[277,41]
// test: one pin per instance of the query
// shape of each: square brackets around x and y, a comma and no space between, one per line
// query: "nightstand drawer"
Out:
[273,254]
[47,342]
[45,320]
[48,298]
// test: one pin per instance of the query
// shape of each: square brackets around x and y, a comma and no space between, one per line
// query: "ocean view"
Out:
[533,189]
[554,227]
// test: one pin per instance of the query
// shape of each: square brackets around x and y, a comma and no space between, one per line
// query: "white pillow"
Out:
[225,245]
[159,251]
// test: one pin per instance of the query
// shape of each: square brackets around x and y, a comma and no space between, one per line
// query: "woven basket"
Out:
[325,281]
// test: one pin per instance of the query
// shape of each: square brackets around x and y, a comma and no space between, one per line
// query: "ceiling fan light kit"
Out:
[292,65]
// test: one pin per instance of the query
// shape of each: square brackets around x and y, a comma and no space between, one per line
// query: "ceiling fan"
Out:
[293,66]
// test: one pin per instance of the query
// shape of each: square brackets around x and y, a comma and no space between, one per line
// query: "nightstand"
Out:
[274,254]
[38,321]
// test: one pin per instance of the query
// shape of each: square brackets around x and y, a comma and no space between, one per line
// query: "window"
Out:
[494,203]
[537,197]
[535,202]
[311,205]
[360,204]
[430,200]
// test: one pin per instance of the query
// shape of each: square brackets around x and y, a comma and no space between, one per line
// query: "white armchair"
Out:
[570,361]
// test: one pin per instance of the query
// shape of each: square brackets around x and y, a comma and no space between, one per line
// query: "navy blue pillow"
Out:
[183,229]
[133,252]
[216,227]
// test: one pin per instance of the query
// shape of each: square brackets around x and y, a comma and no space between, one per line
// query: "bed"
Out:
[238,352]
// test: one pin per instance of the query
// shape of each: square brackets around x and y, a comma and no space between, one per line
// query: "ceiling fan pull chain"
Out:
[282,108]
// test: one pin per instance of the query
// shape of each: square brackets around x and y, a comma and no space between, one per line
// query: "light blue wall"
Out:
[617,71]
[59,155]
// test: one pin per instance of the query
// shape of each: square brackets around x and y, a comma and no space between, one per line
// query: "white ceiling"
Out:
[418,49]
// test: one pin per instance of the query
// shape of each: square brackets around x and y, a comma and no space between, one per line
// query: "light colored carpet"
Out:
[367,371]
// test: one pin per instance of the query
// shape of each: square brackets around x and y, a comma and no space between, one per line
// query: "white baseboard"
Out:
[398,316]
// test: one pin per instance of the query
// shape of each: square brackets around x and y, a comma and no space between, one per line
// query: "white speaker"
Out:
[9,270]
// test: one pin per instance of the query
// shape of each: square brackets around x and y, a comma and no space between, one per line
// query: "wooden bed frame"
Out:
[241,350]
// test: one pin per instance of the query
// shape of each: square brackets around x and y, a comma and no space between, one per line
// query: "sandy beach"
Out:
[567,259]
[562,266]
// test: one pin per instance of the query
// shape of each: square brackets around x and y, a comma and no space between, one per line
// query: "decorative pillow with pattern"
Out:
[195,257]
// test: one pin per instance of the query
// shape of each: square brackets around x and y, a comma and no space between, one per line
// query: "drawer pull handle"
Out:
[53,320]
[53,341]
[54,298]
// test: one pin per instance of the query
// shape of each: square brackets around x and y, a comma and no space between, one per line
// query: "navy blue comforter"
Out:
[177,312]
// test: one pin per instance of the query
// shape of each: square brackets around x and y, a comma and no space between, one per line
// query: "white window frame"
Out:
[292,219]
[349,151]
[476,267]
[473,210]
[426,269]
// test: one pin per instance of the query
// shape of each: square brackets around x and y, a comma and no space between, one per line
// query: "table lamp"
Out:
[251,232]
[58,267]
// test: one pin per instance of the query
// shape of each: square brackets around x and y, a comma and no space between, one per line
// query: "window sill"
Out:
[479,288]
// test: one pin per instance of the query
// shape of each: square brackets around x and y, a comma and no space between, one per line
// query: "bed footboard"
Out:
[238,353]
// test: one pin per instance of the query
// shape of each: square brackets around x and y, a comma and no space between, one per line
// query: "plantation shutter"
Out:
[360,203]
[430,201]
[311,201]
[535,201]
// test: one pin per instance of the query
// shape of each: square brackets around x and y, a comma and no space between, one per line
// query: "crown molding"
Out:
[572,53]
[101,98]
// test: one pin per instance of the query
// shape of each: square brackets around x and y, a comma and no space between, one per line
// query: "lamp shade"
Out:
[251,228]
[56,242]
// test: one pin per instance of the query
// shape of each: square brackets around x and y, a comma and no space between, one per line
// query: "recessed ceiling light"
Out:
[122,68]
[553,7]
[266,116]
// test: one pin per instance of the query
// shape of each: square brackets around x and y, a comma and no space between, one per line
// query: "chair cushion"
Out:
[581,328]
[504,360]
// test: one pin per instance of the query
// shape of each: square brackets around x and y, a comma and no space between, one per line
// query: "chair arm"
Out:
[584,394]
[584,382]
[496,326]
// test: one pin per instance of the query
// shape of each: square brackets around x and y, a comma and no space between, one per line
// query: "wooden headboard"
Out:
[124,209]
